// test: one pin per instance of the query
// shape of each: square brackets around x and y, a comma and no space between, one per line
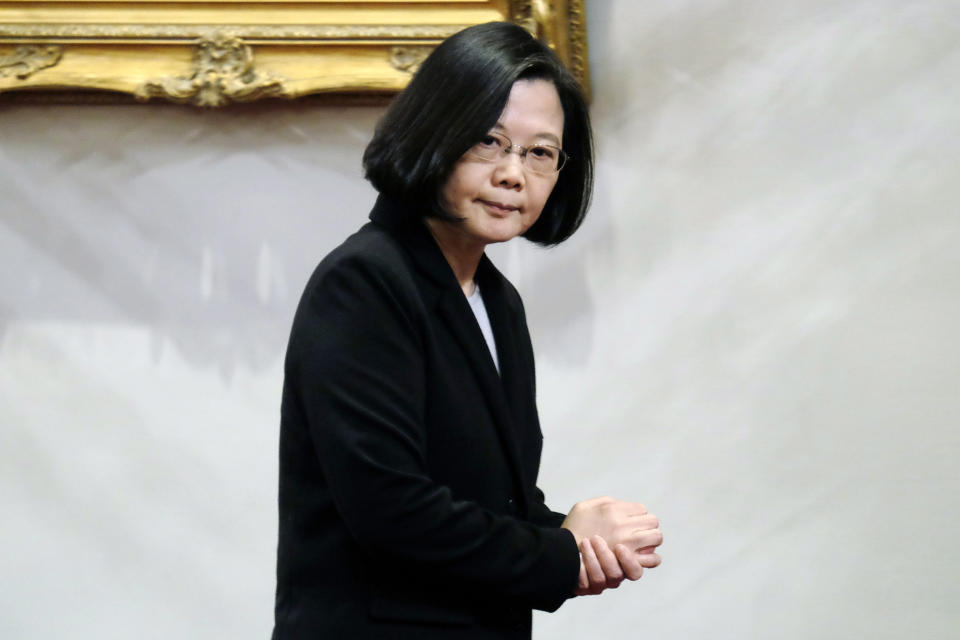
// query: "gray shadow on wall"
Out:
[203,226]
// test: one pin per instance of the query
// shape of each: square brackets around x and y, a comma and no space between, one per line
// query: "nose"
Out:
[508,171]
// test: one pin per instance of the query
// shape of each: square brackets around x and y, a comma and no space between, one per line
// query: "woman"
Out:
[410,443]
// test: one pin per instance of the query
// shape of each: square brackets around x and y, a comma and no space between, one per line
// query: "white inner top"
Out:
[480,311]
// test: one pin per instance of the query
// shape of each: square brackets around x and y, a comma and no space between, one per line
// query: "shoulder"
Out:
[370,260]
[369,278]
[364,289]
[372,247]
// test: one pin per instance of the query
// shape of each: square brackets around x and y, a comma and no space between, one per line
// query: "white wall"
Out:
[753,333]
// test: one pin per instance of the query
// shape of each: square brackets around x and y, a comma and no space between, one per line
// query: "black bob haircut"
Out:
[454,100]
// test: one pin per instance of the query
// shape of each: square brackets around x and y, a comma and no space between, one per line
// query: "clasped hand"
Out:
[617,541]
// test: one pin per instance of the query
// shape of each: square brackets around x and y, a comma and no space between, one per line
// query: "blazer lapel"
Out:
[460,320]
[451,304]
[514,381]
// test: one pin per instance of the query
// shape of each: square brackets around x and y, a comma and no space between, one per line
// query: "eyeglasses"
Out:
[544,159]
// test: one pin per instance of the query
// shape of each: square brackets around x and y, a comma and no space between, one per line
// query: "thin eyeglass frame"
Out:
[563,156]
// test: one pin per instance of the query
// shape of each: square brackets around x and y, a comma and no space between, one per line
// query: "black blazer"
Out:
[408,466]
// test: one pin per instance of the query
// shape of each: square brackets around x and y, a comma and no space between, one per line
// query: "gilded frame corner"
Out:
[221,52]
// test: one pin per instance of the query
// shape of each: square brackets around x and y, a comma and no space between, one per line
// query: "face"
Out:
[499,200]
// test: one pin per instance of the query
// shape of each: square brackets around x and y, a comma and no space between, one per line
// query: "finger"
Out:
[643,521]
[608,562]
[643,539]
[581,592]
[621,507]
[636,540]
[598,581]
[629,562]
[582,582]
[629,526]
[648,560]
[635,508]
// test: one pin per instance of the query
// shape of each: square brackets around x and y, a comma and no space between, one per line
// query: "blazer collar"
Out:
[407,226]
[505,392]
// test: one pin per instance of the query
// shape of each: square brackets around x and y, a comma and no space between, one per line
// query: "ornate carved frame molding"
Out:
[219,52]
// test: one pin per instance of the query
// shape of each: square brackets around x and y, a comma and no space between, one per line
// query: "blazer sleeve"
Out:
[357,362]
[541,514]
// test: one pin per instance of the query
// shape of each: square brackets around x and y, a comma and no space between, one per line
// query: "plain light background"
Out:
[754,333]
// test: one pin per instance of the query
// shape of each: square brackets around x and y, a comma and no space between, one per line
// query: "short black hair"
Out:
[453,100]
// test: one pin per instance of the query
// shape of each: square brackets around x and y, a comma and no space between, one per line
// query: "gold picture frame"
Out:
[221,52]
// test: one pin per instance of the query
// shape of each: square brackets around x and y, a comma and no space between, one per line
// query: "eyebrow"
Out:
[543,134]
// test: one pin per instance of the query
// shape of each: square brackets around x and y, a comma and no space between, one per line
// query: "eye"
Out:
[491,141]
[543,153]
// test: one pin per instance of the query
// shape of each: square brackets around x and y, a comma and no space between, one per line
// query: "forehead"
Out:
[532,110]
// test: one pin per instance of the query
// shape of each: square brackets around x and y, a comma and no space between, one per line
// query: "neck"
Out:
[462,254]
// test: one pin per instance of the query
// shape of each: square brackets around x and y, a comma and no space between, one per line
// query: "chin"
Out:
[506,230]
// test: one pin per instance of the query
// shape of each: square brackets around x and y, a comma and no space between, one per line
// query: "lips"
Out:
[499,207]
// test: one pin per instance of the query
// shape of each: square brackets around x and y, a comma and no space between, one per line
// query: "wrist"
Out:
[566,525]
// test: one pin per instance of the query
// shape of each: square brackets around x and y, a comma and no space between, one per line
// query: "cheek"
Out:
[542,193]
[462,185]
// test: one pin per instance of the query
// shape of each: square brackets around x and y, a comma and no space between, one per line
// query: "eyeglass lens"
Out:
[542,158]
